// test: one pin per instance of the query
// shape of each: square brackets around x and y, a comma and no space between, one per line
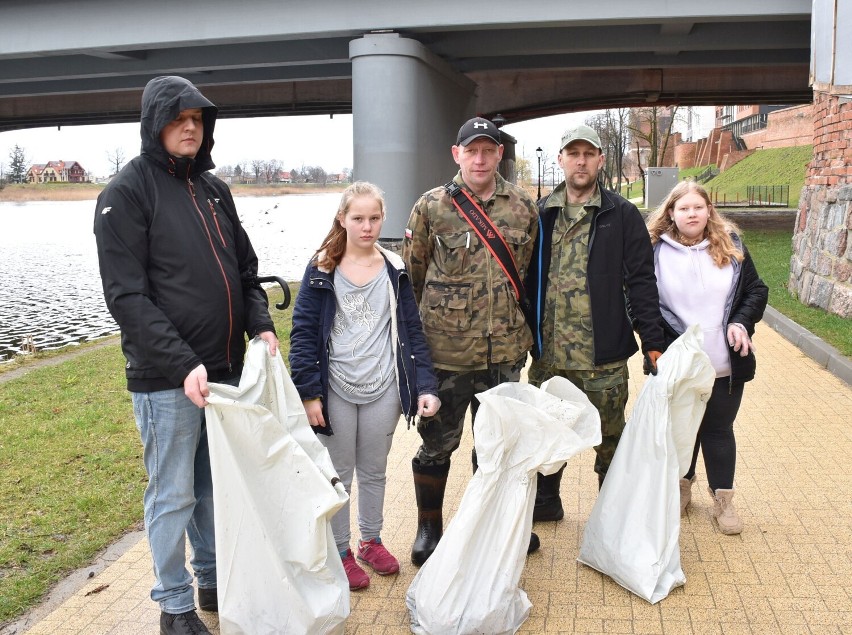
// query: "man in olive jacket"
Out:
[473,321]
[592,265]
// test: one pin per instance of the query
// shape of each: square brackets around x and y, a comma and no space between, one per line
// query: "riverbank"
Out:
[32,192]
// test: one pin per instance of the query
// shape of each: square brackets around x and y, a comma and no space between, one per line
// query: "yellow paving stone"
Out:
[618,626]
[648,627]
[793,628]
[588,626]
[677,627]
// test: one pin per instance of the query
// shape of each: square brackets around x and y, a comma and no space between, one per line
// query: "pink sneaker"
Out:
[373,552]
[358,579]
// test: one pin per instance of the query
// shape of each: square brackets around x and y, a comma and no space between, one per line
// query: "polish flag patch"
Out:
[408,233]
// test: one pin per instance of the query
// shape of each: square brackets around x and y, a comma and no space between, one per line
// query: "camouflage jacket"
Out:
[469,311]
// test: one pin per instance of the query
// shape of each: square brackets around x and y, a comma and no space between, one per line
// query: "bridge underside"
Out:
[87,62]
[517,95]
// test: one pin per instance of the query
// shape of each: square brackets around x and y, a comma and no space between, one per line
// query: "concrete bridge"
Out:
[409,72]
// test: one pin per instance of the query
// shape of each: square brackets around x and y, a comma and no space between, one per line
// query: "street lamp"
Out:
[538,153]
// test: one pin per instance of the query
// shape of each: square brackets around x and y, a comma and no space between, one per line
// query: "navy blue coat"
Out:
[313,317]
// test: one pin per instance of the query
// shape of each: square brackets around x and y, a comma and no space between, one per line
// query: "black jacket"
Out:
[176,265]
[619,277]
[745,306]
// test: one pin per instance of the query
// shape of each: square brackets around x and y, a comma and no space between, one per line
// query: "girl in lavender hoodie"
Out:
[705,276]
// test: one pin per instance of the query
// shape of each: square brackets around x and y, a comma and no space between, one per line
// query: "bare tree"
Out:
[257,167]
[116,159]
[611,126]
[271,170]
[651,129]
[315,174]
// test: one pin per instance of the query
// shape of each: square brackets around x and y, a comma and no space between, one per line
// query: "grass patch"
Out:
[72,468]
[773,166]
[771,251]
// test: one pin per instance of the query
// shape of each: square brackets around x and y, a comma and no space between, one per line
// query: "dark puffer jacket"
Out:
[176,265]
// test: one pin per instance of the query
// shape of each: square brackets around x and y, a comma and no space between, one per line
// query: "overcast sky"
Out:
[294,141]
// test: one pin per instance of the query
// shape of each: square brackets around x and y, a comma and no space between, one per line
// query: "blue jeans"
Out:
[179,496]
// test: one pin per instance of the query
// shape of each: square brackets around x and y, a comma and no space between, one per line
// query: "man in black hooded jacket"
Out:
[178,274]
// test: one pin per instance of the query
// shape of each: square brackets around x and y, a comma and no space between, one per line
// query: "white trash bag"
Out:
[633,532]
[470,583]
[278,569]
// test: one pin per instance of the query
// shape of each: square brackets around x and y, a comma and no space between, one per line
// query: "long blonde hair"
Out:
[718,231]
[333,246]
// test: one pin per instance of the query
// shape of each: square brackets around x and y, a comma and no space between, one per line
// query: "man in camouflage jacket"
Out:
[472,319]
[592,272]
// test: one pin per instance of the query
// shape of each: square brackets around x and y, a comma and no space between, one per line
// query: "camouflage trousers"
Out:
[442,433]
[607,390]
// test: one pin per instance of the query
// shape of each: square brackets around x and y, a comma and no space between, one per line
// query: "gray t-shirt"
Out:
[361,356]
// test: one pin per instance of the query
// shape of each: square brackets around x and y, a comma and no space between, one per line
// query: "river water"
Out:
[50,288]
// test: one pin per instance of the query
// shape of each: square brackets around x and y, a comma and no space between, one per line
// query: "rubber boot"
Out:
[686,492]
[548,504]
[725,513]
[430,482]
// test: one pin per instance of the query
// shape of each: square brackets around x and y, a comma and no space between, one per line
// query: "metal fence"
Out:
[754,196]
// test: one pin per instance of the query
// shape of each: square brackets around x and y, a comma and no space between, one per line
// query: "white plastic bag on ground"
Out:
[470,583]
[278,570]
[632,534]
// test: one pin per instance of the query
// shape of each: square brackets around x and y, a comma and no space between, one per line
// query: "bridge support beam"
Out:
[407,105]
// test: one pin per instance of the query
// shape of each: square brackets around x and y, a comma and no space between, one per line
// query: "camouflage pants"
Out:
[442,433]
[607,390]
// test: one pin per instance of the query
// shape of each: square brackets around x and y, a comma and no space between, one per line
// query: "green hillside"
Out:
[773,166]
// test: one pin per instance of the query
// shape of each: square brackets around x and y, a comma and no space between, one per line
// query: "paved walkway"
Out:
[789,572]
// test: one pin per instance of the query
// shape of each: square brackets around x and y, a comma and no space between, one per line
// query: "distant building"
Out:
[57,172]
[763,126]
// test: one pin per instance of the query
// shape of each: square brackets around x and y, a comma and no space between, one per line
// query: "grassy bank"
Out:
[25,192]
[72,468]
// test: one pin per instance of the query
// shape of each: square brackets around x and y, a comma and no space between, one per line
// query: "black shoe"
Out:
[208,599]
[535,543]
[550,511]
[182,624]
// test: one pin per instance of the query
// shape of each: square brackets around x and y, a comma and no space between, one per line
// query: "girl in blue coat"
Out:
[358,358]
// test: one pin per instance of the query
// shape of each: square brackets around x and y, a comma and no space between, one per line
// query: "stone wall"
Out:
[821,265]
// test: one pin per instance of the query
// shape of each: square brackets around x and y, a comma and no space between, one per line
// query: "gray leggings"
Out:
[362,439]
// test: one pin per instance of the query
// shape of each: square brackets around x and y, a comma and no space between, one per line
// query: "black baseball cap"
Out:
[476,128]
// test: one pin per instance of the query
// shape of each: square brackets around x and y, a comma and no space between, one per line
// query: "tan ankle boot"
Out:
[725,513]
[686,492]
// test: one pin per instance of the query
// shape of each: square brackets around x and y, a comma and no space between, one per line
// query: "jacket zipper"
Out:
[216,221]
[191,188]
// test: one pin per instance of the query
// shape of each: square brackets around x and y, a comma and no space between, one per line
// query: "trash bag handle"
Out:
[284,287]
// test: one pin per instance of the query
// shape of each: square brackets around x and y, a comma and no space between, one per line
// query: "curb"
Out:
[823,354]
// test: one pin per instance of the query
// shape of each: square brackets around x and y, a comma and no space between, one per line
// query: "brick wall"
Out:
[685,153]
[787,127]
[821,265]
[732,158]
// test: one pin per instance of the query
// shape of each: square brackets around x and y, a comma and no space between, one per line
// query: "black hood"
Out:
[162,101]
